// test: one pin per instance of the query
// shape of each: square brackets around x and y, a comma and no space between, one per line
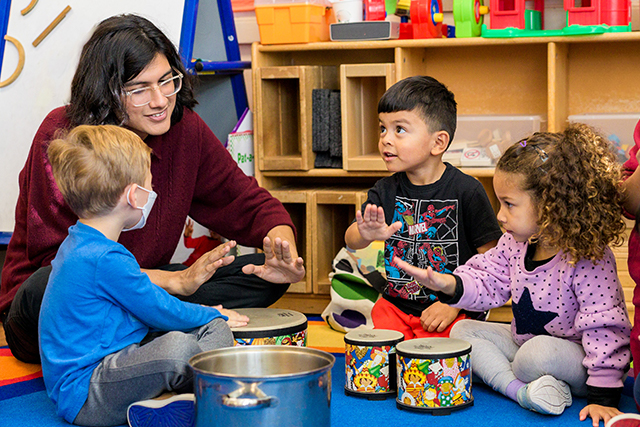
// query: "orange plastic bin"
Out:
[293,22]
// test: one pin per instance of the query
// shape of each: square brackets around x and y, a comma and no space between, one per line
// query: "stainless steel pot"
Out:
[263,386]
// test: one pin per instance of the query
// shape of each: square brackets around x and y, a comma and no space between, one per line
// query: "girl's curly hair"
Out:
[573,178]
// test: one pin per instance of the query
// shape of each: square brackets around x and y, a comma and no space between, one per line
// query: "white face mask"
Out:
[145,209]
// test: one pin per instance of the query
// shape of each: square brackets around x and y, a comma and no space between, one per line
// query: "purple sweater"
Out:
[193,175]
[583,303]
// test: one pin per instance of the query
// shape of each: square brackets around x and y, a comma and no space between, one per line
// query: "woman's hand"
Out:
[597,413]
[235,319]
[279,265]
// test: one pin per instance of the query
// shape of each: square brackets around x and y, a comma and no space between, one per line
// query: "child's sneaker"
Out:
[176,411]
[546,395]
[624,420]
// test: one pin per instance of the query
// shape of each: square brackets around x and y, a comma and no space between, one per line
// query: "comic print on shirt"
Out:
[428,238]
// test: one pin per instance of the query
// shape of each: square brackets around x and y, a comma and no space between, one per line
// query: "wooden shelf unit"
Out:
[554,77]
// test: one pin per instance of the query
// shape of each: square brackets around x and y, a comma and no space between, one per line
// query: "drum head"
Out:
[265,322]
[373,337]
[433,348]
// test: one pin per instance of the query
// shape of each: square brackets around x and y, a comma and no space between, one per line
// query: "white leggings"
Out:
[497,360]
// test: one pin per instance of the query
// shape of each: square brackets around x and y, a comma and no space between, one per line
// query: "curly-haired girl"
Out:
[560,207]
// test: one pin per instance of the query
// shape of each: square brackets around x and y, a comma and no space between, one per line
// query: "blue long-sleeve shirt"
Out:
[98,302]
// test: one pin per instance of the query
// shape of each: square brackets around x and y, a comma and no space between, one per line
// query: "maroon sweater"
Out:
[193,175]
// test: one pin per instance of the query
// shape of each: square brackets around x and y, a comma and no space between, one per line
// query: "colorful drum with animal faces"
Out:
[434,375]
[370,363]
[271,326]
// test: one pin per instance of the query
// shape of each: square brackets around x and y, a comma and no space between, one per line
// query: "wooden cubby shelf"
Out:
[552,77]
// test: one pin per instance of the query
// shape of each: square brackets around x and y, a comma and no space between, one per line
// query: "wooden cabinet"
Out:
[552,77]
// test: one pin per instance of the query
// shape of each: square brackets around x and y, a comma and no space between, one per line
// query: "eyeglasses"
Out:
[142,96]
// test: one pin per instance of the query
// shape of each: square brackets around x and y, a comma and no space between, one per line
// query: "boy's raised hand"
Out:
[372,225]
[202,270]
[436,281]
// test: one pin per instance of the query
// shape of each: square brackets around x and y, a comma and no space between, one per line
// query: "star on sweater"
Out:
[528,319]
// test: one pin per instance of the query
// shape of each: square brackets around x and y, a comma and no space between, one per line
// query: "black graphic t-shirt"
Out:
[442,225]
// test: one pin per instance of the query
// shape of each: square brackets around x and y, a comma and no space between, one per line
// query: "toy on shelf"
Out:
[402,8]
[374,10]
[469,16]
[615,15]
[406,30]
[517,14]
[525,18]
[426,19]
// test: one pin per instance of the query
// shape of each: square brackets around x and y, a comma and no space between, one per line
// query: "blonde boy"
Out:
[99,308]
[428,212]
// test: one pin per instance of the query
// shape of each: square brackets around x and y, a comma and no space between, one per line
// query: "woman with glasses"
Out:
[130,75]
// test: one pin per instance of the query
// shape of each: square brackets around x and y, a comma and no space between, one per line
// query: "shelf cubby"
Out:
[335,209]
[299,205]
[361,86]
[283,95]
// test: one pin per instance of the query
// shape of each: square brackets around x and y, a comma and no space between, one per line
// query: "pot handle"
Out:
[249,396]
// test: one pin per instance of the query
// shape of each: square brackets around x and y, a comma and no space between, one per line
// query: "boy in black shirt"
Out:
[428,212]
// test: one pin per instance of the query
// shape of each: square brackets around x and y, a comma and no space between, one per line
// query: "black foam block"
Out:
[320,119]
[335,124]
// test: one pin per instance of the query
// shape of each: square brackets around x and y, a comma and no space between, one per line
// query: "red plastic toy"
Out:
[426,19]
[598,12]
[512,13]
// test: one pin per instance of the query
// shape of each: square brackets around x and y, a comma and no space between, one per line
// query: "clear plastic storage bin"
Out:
[618,127]
[481,140]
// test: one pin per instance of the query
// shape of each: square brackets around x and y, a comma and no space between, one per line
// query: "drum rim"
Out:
[385,394]
[391,343]
[452,352]
[268,333]
[435,409]
[376,341]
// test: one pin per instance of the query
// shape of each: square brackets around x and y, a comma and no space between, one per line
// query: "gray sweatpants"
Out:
[144,371]
[497,360]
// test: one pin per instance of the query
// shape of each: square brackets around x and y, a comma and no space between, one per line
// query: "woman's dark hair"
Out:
[118,50]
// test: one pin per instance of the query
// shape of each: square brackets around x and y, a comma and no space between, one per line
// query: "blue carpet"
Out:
[22,388]
[34,409]
[31,410]
[490,409]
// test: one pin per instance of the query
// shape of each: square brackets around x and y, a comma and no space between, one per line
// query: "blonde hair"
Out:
[574,180]
[92,165]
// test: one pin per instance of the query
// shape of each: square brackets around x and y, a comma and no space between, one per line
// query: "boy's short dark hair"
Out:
[428,97]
